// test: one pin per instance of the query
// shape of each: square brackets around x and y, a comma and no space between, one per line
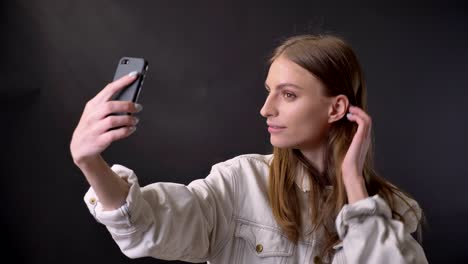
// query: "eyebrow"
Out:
[282,85]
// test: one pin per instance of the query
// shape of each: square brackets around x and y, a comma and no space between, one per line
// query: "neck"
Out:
[315,156]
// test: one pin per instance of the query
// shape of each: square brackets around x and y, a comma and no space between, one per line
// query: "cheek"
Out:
[311,121]
[307,114]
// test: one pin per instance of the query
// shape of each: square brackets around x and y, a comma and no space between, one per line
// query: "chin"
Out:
[282,143]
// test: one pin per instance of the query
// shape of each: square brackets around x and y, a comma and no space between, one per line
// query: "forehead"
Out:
[284,70]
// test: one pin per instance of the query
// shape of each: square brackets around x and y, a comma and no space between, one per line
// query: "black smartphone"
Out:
[125,66]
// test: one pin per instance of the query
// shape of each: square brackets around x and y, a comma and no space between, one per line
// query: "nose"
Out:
[268,108]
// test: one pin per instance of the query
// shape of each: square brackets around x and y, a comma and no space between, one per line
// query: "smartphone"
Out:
[125,66]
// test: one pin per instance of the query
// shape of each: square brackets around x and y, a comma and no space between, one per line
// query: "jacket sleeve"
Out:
[171,221]
[370,235]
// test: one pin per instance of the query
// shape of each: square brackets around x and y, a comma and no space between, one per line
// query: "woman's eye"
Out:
[289,95]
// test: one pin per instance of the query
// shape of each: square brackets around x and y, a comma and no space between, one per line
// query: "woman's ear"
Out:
[338,108]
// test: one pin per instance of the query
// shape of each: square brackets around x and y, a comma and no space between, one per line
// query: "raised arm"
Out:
[96,130]
[172,221]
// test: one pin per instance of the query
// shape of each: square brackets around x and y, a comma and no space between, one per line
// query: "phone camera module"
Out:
[124,61]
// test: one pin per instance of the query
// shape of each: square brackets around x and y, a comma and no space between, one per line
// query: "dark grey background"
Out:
[202,98]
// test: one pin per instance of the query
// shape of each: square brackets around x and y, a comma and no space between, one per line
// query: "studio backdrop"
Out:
[202,98]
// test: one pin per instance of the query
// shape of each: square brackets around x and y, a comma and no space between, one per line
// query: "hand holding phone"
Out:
[99,124]
[125,66]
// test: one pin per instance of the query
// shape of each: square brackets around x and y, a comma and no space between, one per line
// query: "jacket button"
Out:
[92,200]
[259,248]
[317,260]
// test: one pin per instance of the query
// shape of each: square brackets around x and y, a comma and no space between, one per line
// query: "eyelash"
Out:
[293,96]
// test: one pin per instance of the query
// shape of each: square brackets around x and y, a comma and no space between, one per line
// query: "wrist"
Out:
[87,162]
[356,190]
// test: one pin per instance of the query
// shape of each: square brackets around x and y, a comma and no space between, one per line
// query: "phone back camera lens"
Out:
[124,61]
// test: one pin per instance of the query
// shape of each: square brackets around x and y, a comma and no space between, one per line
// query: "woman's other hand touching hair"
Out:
[353,163]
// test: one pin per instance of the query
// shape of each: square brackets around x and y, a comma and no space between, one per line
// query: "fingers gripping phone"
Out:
[125,66]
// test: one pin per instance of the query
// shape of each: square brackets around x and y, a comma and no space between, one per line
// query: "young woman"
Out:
[315,199]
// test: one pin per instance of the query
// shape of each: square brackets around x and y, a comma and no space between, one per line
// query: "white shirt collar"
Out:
[301,180]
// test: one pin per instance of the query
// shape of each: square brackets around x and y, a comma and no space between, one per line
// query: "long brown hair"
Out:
[333,62]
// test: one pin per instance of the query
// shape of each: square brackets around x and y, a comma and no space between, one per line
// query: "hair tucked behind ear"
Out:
[334,63]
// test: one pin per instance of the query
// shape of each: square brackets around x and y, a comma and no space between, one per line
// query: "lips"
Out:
[274,125]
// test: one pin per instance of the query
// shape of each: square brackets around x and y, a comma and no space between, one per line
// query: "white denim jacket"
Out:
[226,218]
